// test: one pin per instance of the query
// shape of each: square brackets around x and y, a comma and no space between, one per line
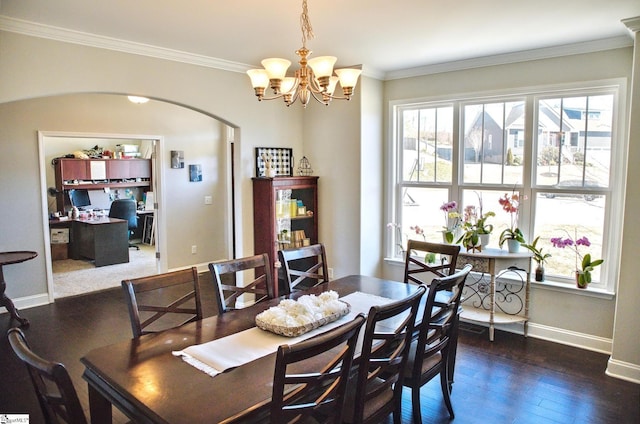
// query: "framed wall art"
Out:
[195,173]
[177,159]
[281,160]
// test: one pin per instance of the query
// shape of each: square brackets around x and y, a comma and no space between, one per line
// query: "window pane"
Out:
[514,131]
[574,141]
[472,170]
[597,141]
[421,208]
[569,215]
[444,144]
[410,126]
[427,144]
[494,143]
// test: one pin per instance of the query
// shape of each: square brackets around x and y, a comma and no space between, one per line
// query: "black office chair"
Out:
[125,209]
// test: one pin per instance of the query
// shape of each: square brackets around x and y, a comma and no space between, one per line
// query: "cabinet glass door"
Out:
[283,218]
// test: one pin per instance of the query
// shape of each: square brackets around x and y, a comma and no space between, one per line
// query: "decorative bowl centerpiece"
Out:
[292,318]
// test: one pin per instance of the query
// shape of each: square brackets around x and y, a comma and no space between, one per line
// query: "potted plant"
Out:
[475,227]
[451,221]
[512,235]
[583,274]
[538,256]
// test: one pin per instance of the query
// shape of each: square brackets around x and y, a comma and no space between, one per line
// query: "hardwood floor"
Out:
[512,380]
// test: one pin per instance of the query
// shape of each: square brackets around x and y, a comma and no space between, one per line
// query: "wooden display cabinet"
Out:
[277,224]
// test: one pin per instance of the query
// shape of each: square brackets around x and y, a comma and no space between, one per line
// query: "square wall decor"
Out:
[281,160]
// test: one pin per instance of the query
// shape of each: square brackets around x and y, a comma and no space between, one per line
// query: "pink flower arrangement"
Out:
[587,265]
[418,230]
[511,204]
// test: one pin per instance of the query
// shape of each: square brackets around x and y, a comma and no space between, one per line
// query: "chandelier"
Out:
[314,78]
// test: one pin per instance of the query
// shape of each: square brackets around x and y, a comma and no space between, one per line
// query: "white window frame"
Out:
[612,240]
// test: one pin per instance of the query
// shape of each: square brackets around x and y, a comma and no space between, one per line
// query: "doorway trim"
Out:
[157,186]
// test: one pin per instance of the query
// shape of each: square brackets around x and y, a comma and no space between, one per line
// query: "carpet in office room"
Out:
[73,277]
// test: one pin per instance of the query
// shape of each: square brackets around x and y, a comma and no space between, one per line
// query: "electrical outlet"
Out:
[208,200]
[194,249]
[330,271]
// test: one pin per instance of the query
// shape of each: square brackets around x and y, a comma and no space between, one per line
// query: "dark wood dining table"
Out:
[8,258]
[143,379]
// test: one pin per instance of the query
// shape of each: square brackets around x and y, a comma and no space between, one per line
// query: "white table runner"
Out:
[240,348]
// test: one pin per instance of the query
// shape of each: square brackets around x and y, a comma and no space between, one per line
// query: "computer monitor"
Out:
[79,198]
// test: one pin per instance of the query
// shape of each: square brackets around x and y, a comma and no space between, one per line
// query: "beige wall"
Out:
[625,358]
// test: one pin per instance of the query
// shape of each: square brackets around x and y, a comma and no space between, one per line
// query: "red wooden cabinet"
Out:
[95,174]
[278,221]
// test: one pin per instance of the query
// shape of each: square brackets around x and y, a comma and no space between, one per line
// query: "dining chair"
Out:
[235,278]
[377,389]
[314,395]
[424,260]
[56,395]
[433,352]
[304,266]
[162,301]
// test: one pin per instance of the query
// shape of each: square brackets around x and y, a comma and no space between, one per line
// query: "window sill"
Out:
[547,285]
[566,288]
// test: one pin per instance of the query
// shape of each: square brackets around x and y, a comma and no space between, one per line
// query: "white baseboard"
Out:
[28,302]
[623,370]
[571,338]
[557,335]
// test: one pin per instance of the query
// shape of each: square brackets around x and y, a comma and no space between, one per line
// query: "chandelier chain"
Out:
[305,24]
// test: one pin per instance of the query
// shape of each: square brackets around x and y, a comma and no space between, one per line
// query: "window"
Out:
[556,149]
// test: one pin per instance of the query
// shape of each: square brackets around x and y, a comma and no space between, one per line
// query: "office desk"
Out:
[145,381]
[105,240]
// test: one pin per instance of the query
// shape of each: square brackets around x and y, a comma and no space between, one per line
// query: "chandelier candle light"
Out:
[314,78]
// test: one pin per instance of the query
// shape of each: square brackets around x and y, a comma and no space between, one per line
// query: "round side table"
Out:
[8,258]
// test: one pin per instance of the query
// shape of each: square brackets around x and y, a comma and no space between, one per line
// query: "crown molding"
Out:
[522,56]
[33,29]
[633,24]
[76,37]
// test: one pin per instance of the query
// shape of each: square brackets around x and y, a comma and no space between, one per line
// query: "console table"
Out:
[504,299]
[7,258]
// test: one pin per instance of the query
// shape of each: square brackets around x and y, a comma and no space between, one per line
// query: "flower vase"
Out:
[484,239]
[539,273]
[513,245]
[581,282]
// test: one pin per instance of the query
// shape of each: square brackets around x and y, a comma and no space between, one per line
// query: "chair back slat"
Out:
[304,266]
[417,267]
[169,300]
[260,285]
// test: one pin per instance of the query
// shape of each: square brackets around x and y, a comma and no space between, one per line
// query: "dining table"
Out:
[144,378]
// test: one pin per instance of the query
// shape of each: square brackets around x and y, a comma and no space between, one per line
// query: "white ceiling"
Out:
[387,37]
